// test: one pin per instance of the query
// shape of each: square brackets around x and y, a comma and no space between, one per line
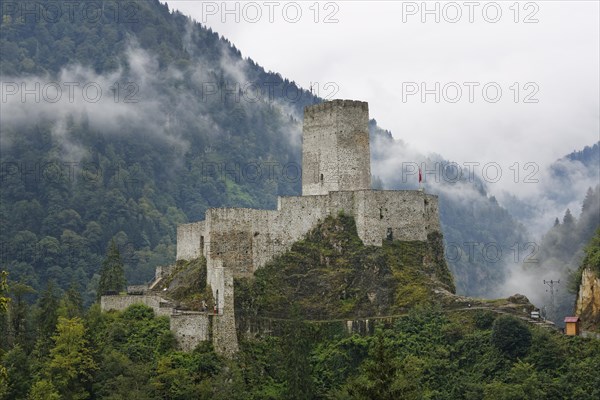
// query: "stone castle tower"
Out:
[335,148]
[336,177]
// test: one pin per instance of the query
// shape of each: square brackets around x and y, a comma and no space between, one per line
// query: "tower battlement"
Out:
[335,147]
[337,103]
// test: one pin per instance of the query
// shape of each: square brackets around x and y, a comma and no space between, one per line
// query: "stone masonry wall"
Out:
[246,239]
[335,147]
[188,240]
[190,329]
[120,303]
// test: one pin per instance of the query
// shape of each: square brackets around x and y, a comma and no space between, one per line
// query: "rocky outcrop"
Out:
[588,300]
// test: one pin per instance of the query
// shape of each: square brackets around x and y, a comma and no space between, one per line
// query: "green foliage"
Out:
[133,181]
[569,247]
[44,390]
[592,253]
[297,345]
[71,365]
[187,284]
[483,319]
[19,312]
[426,354]
[71,305]
[138,334]
[186,375]
[336,361]
[18,373]
[511,336]
[112,274]
[4,299]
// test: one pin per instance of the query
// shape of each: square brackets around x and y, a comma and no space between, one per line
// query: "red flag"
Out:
[420,178]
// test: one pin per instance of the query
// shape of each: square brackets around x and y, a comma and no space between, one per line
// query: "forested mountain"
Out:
[557,187]
[183,123]
[562,251]
[170,136]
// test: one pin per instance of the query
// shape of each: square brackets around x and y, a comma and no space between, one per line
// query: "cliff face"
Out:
[588,300]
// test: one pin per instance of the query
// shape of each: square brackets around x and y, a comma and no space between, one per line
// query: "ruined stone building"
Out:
[336,177]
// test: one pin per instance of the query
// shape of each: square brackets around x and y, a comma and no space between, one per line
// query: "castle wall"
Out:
[244,240]
[238,241]
[224,331]
[190,329]
[398,215]
[120,303]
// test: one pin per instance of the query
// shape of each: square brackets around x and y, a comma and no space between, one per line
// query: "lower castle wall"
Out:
[224,332]
[190,329]
[120,303]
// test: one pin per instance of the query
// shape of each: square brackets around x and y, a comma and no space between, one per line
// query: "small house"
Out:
[572,326]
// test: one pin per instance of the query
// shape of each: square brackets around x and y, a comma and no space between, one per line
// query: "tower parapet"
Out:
[335,147]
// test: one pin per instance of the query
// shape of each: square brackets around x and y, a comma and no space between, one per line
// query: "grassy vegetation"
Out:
[187,285]
[331,274]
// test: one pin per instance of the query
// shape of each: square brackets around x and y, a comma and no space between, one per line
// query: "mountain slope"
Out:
[183,123]
[154,151]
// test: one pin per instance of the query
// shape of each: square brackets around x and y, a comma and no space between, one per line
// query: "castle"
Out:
[336,177]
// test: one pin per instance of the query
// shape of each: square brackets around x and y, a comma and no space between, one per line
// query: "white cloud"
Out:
[370,52]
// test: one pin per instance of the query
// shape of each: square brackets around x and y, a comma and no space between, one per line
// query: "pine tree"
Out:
[71,364]
[568,219]
[112,274]
[4,299]
[71,305]
[47,317]
[588,201]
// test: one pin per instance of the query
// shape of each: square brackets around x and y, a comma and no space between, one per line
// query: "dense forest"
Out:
[427,354]
[131,172]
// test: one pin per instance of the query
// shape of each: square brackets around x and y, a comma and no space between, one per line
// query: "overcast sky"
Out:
[382,52]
